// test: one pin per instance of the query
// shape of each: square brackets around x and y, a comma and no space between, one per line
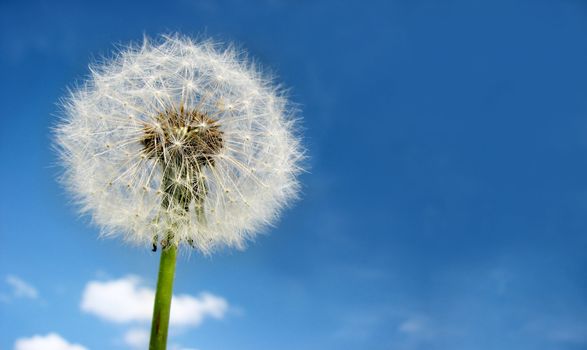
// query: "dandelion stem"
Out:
[177,195]
[163,298]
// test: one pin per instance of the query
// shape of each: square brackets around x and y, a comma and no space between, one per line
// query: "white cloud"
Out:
[125,300]
[51,341]
[137,338]
[187,310]
[20,288]
[120,301]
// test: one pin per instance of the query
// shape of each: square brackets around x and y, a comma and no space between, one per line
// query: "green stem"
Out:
[163,298]
[178,196]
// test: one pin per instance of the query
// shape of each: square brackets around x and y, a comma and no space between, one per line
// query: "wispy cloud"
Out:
[51,341]
[20,288]
[573,334]
[412,326]
[137,338]
[126,300]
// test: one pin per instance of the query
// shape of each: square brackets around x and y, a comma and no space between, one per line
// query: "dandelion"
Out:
[179,143]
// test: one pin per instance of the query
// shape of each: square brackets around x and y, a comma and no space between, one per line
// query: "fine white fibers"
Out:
[178,141]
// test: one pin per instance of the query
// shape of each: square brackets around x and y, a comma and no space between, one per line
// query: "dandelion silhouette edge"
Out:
[183,137]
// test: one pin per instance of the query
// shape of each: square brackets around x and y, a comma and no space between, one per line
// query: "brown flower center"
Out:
[183,142]
[186,138]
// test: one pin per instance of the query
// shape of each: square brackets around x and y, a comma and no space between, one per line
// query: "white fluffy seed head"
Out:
[178,141]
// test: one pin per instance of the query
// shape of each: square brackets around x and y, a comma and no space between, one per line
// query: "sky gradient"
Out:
[445,206]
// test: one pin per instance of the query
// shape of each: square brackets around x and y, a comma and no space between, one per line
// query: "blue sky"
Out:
[445,209]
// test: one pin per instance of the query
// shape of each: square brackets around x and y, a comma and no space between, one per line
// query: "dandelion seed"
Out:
[179,136]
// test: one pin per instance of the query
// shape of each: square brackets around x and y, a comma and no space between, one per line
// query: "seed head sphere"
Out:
[177,141]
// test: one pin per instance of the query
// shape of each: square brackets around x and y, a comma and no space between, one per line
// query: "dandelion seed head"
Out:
[179,141]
